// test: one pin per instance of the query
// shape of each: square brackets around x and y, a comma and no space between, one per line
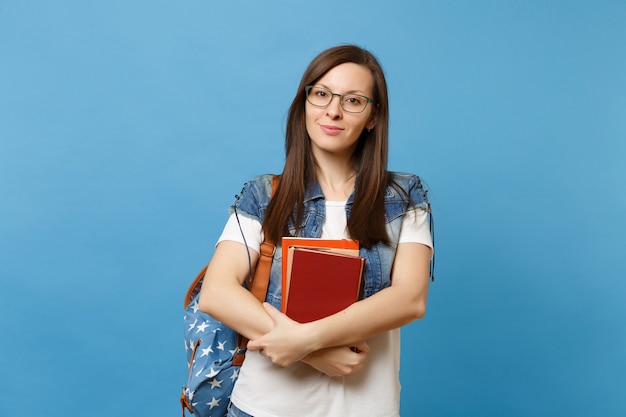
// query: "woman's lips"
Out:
[331,130]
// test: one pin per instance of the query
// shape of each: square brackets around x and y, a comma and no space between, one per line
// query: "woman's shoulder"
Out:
[403,176]
[403,184]
[260,183]
[254,196]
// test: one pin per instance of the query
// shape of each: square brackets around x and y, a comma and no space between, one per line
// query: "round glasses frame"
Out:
[341,96]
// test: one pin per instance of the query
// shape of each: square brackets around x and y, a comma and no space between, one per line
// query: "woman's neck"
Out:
[336,180]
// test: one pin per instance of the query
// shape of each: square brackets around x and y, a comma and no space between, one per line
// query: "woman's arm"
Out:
[223,297]
[392,307]
[338,360]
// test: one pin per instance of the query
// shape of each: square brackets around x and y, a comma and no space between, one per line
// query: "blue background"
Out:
[127,127]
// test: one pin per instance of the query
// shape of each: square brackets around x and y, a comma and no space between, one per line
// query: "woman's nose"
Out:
[334,108]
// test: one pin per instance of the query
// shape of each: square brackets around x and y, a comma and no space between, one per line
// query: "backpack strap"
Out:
[261,279]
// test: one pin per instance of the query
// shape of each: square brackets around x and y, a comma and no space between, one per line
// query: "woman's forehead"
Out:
[348,78]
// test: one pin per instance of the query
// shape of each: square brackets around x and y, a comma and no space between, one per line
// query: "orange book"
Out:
[321,283]
[289,243]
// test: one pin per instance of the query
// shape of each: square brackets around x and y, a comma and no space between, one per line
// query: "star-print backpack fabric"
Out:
[215,352]
[211,348]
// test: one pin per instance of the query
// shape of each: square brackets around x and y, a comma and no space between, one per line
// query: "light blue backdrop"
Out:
[126,128]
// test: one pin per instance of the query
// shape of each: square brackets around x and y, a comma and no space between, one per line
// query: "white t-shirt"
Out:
[266,390]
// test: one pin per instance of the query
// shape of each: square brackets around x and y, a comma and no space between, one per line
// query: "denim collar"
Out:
[314,192]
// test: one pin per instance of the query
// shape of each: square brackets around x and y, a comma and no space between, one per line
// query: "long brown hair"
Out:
[367,218]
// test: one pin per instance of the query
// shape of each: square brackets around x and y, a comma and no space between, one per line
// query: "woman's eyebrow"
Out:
[362,92]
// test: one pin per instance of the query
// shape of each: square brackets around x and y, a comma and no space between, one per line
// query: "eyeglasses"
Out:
[322,97]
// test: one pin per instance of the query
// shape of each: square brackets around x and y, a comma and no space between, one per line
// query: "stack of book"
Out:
[320,277]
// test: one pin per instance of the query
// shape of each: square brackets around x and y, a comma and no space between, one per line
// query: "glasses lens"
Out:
[353,103]
[318,96]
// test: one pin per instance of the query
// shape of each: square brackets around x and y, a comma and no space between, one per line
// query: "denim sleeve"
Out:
[418,193]
[253,199]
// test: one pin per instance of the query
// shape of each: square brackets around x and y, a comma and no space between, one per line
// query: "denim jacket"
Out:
[254,199]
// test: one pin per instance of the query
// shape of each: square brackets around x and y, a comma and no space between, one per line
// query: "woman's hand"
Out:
[338,361]
[287,342]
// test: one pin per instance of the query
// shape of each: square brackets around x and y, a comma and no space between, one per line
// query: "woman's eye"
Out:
[321,93]
[354,100]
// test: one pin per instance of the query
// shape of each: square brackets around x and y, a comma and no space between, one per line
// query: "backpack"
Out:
[216,352]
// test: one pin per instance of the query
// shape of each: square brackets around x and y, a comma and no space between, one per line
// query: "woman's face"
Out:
[332,129]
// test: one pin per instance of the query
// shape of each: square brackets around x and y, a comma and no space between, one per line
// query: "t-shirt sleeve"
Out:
[415,228]
[250,229]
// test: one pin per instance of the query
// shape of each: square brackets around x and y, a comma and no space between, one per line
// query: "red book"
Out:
[321,283]
[289,243]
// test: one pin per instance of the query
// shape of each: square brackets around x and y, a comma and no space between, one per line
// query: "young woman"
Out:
[334,185]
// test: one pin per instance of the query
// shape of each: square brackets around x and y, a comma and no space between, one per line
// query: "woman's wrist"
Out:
[312,337]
